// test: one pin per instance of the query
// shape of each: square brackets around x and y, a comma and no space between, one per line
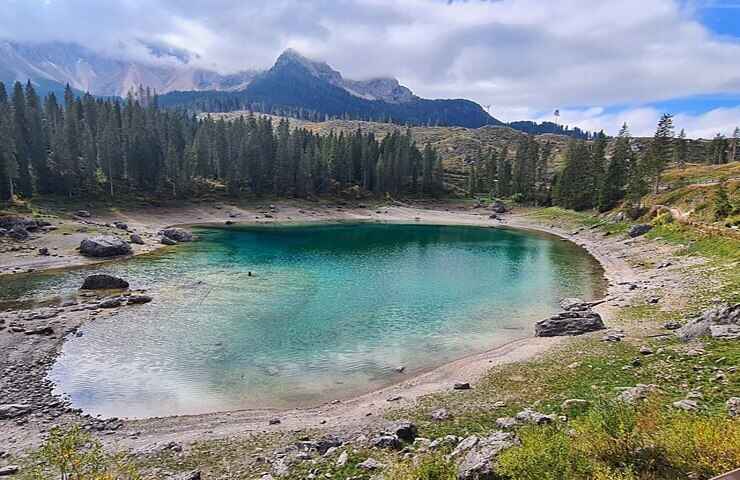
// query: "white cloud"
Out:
[642,121]
[520,56]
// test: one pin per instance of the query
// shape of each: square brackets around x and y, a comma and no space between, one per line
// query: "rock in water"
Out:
[177,234]
[104,246]
[102,281]
[569,323]
[639,229]
[168,241]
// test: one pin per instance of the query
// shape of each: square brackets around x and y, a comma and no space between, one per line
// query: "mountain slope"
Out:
[299,86]
[50,66]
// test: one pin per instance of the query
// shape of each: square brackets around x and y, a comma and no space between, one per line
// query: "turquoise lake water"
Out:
[329,312]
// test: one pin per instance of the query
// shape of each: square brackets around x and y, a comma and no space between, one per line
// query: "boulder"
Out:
[479,462]
[386,441]
[727,315]
[569,323]
[405,430]
[103,281]
[498,207]
[530,416]
[83,213]
[9,470]
[639,230]
[13,410]
[120,225]
[44,252]
[177,234]
[461,386]
[574,404]
[104,246]
[726,332]
[168,241]
[19,232]
[136,238]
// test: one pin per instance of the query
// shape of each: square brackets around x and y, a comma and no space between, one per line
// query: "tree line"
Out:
[85,146]
[595,174]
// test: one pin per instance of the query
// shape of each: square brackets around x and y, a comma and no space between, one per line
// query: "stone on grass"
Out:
[715,316]
[479,462]
[574,403]
[386,441]
[639,230]
[461,386]
[506,423]
[687,405]
[104,246]
[370,464]
[440,415]
[405,430]
[530,416]
[638,392]
[103,281]
[342,460]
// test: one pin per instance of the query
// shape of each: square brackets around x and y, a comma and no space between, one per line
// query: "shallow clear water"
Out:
[329,312]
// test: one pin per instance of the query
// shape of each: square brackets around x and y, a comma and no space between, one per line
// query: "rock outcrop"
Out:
[480,455]
[579,319]
[104,246]
[103,281]
[722,321]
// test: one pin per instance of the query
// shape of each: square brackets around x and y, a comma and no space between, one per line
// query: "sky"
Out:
[600,62]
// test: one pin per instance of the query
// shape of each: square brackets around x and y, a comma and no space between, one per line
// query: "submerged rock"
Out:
[103,281]
[575,322]
[177,234]
[104,246]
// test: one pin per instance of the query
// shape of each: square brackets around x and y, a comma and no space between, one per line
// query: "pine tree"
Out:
[716,150]
[569,190]
[722,205]
[682,149]
[8,165]
[22,139]
[612,188]
[734,145]
[660,151]
[503,185]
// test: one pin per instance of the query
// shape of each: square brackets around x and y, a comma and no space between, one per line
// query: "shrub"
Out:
[429,467]
[546,453]
[707,446]
[73,454]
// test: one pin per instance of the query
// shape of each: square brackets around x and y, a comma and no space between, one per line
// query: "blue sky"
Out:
[600,62]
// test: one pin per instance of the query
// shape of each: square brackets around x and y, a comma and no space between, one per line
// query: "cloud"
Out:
[642,121]
[520,56]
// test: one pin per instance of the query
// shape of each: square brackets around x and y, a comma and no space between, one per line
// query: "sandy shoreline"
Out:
[350,414]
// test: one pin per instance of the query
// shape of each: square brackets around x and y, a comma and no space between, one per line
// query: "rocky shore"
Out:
[33,337]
